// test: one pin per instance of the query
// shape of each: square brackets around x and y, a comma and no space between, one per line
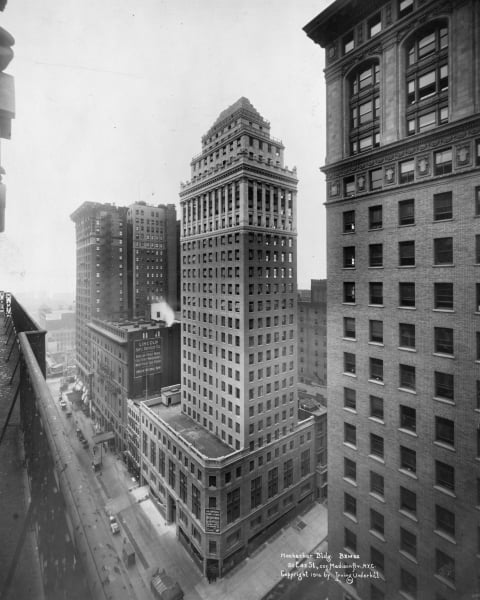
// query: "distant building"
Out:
[130,360]
[101,277]
[312,333]
[59,341]
[403,256]
[153,257]
[7,103]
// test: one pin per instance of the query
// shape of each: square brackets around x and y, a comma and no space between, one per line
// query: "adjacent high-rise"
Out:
[403,210]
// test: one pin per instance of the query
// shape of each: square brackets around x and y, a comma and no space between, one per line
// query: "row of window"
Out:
[443,382]
[442,210]
[442,294]
[442,336]
[442,253]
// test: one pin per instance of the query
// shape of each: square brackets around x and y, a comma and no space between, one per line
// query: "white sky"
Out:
[113,96]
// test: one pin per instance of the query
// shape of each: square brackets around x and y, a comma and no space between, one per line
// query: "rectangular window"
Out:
[376,369]
[408,583]
[350,540]
[405,7]
[350,469]
[376,407]
[408,500]
[305,463]
[348,257]
[406,253]
[442,162]
[407,377]
[408,418]
[349,292]
[349,327]
[477,200]
[374,25]
[377,522]
[444,385]
[272,482]
[406,334]
[443,251]
[444,565]
[445,431]
[443,340]
[376,445]
[406,293]
[376,293]
[349,362]
[196,504]
[255,492]
[375,217]
[408,459]
[445,520]
[288,473]
[375,253]
[233,505]
[377,559]
[376,179]
[350,434]
[406,212]
[349,221]
[376,484]
[349,186]
[349,398]
[442,206]
[443,296]
[348,43]
[477,249]
[444,475]
[407,171]
[408,542]
[376,331]
[349,505]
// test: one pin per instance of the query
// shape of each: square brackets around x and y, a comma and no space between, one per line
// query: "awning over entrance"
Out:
[103,437]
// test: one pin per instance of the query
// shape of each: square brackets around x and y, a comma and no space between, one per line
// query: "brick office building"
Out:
[312,333]
[403,208]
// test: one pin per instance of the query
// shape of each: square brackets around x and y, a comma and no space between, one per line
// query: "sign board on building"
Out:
[8,304]
[212,520]
[147,358]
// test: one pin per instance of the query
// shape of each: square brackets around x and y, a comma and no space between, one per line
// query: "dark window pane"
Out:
[406,253]
[442,206]
[444,385]
[376,369]
[443,251]
[375,219]
[444,475]
[407,377]
[406,335]
[408,418]
[444,340]
[406,212]
[443,295]
[376,407]
[376,293]
[407,294]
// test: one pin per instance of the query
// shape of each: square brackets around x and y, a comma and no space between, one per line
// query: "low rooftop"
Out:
[201,439]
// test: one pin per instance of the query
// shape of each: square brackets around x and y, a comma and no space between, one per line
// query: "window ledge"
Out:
[408,556]
[406,266]
[408,473]
[348,232]
[408,307]
[444,400]
[350,410]
[406,349]
[351,517]
[377,497]
[444,445]
[408,431]
[379,459]
[349,445]
[408,514]
[406,595]
[407,390]
[447,582]
[348,268]
[376,381]
[379,306]
[444,355]
[375,266]
[443,220]
[377,420]
[381,344]
[444,310]
[349,339]
[349,374]
[441,266]
[351,481]
[444,491]
[349,303]
[377,534]
[445,536]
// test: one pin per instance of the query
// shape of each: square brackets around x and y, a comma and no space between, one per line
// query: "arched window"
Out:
[364,106]
[427,79]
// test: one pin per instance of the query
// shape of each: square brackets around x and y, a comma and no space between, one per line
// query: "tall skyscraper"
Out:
[101,278]
[312,333]
[403,207]
[234,461]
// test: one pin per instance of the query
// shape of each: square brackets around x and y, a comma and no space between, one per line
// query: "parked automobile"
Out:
[63,404]
[114,526]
